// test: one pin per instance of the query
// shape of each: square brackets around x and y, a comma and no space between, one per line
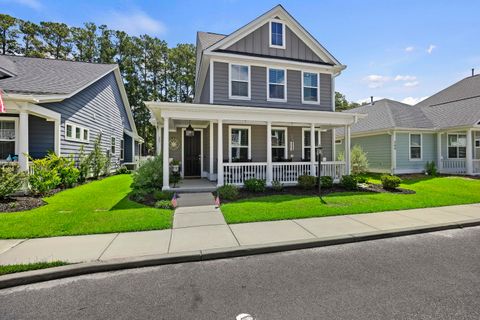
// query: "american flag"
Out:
[174,200]
[2,106]
[217,201]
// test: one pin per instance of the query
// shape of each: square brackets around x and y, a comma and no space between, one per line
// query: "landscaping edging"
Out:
[35,276]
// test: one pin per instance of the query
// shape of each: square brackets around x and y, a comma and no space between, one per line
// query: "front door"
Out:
[192,155]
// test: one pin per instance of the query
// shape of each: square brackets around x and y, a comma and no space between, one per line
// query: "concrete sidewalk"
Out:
[202,229]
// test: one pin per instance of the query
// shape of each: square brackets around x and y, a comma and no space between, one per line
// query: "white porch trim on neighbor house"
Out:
[165,112]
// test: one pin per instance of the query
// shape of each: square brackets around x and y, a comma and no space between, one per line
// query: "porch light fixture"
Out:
[189,132]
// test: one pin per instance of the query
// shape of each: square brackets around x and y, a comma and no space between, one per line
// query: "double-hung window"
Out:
[8,138]
[310,87]
[277,84]
[239,81]
[415,146]
[277,34]
[457,146]
[240,144]
[279,144]
[307,143]
[113,145]
[122,149]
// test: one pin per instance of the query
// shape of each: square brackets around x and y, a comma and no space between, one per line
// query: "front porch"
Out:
[458,152]
[230,144]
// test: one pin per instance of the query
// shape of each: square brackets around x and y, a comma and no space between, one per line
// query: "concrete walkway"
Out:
[202,228]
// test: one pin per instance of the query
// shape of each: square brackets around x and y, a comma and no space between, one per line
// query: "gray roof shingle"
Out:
[207,39]
[47,76]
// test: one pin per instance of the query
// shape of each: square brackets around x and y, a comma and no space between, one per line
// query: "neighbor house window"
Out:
[310,87]
[113,146]
[122,149]
[240,143]
[306,143]
[457,146]
[8,138]
[279,144]
[415,146]
[277,34]
[75,132]
[276,84]
[239,81]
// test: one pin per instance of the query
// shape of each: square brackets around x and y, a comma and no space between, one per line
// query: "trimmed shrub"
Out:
[362,179]
[255,185]
[431,168]
[163,195]
[390,182]
[11,179]
[277,185]
[326,182]
[43,179]
[164,204]
[149,176]
[307,182]
[123,170]
[349,182]
[228,192]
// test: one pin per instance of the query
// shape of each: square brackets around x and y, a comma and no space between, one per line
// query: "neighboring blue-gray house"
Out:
[55,105]
[444,128]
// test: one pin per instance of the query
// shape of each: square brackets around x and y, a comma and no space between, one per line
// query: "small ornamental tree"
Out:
[11,179]
[97,158]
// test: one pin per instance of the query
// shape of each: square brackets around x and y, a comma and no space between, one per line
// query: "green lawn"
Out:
[96,207]
[13,268]
[430,192]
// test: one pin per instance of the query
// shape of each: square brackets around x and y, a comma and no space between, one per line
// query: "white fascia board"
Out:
[123,93]
[389,131]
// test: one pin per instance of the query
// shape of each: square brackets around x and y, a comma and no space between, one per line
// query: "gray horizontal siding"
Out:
[378,150]
[205,94]
[429,151]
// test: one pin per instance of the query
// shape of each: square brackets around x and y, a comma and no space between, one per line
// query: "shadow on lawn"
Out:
[126,203]
[281,198]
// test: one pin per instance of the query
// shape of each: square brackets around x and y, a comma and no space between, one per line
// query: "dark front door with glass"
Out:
[192,155]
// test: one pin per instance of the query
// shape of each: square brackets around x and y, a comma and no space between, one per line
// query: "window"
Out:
[457,146]
[240,144]
[239,81]
[310,87]
[415,146]
[279,144]
[276,85]
[8,138]
[477,143]
[74,132]
[306,143]
[277,34]
[122,149]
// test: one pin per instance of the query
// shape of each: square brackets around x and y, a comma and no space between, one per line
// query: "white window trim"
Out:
[410,147]
[74,127]
[285,147]
[249,128]
[448,145]
[230,96]
[15,121]
[113,145]
[122,149]
[318,88]
[317,131]
[270,34]
[284,85]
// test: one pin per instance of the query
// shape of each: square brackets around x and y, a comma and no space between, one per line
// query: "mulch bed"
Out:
[21,203]
[370,187]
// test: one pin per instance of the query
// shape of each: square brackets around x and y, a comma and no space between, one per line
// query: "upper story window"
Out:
[457,146]
[310,87]
[276,85]
[415,146]
[8,138]
[239,81]
[277,34]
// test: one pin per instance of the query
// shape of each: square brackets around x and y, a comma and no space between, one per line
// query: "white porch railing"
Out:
[457,166]
[237,172]
[476,166]
[288,172]
[334,169]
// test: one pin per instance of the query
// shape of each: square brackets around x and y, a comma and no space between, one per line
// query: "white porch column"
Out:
[220,153]
[348,169]
[57,149]
[312,150]
[269,154]
[166,164]
[469,156]
[23,141]
[439,152]
[210,145]
[158,140]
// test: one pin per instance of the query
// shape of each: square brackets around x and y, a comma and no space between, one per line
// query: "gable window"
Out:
[240,141]
[306,143]
[8,138]
[277,34]
[122,149]
[75,132]
[239,81]
[113,146]
[457,146]
[276,85]
[310,87]
[279,144]
[415,146]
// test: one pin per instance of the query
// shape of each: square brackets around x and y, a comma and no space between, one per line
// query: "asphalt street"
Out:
[427,276]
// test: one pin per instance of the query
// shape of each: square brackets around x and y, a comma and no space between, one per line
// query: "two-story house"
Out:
[264,103]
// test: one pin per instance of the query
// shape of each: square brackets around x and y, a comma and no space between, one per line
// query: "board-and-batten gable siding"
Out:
[429,151]
[259,89]
[377,148]
[41,136]
[98,107]
[258,42]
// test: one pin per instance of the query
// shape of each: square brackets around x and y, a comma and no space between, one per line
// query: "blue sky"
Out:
[404,50]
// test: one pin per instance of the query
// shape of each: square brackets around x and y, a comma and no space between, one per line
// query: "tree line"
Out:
[151,70]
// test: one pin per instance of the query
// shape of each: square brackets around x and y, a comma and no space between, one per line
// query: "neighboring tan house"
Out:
[444,128]
[264,101]
[59,106]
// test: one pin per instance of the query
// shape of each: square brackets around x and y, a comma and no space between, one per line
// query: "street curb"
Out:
[78,269]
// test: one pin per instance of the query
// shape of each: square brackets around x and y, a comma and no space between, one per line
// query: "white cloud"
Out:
[32,4]
[405,78]
[409,49]
[411,84]
[413,100]
[135,22]
[376,81]
[430,48]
